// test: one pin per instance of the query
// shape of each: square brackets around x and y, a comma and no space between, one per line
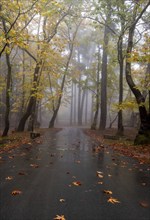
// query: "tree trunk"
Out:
[143,136]
[8,89]
[80,122]
[55,111]
[32,100]
[86,108]
[71,104]
[103,116]
[121,61]
[94,124]
[75,103]
[52,121]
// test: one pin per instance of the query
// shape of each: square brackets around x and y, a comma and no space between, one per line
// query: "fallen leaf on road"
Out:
[107,152]
[16,192]
[78,161]
[21,173]
[23,154]
[100,183]
[113,200]
[9,178]
[77,183]
[143,184]
[34,165]
[62,200]
[99,175]
[99,172]
[60,217]
[107,192]
[96,149]
[144,204]
[11,157]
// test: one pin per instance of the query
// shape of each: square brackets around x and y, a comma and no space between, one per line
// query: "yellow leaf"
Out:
[16,192]
[77,183]
[99,174]
[107,192]
[60,217]
[9,178]
[113,200]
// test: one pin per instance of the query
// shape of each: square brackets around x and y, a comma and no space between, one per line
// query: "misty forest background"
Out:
[84,63]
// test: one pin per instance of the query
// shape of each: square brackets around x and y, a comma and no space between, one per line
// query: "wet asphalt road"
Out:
[45,174]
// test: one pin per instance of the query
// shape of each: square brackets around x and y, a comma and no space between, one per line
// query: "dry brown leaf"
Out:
[16,192]
[76,183]
[78,161]
[100,183]
[21,173]
[144,204]
[62,200]
[107,192]
[99,174]
[34,165]
[59,217]
[113,200]
[9,178]
[11,157]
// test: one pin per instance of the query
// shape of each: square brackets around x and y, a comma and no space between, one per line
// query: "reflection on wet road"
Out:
[63,176]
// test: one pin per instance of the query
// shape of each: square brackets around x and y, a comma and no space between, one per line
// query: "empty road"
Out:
[63,176]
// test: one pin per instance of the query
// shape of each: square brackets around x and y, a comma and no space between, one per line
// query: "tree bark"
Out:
[32,100]
[103,116]
[8,89]
[121,62]
[94,124]
[8,86]
[52,121]
[143,136]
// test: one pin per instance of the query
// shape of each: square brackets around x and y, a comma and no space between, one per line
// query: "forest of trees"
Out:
[91,56]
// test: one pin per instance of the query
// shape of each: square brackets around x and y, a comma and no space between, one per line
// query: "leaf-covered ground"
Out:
[17,139]
[125,145]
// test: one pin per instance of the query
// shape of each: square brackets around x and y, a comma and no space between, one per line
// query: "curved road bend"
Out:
[63,176]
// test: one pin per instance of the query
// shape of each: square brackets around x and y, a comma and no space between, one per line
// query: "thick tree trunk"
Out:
[143,136]
[52,121]
[93,126]
[32,100]
[8,89]
[121,61]
[103,116]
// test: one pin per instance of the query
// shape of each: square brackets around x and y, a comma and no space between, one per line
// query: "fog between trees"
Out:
[72,63]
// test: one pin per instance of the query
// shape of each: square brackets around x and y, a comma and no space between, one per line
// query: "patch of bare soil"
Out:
[124,145]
